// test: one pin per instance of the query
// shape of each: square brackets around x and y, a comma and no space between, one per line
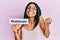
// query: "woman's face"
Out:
[31,10]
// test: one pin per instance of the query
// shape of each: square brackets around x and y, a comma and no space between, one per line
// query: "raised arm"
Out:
[17,31]
[44,25]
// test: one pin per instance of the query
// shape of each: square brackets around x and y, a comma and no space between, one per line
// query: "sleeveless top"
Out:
[35,34]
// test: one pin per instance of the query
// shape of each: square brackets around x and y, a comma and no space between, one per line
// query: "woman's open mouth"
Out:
[30,13]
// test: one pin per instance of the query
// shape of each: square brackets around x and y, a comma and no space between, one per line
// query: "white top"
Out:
[35,34]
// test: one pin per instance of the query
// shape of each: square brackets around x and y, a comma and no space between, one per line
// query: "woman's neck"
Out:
[31,20]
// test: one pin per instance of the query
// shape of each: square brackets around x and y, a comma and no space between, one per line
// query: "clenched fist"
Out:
[48,20]
[15,27]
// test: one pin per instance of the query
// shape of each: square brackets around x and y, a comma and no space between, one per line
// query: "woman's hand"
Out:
[48,20]
[15,27]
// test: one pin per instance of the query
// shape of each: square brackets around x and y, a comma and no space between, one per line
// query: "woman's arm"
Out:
[18,35]
[44,25]
[17,32]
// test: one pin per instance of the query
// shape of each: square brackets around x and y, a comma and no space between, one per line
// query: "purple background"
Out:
[15,9]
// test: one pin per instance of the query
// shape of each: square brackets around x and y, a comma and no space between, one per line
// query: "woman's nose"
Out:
[31,9]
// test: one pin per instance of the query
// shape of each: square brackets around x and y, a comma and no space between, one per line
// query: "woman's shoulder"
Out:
[41,19]
[24,26]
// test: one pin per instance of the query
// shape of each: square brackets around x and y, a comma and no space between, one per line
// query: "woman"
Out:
[36,23]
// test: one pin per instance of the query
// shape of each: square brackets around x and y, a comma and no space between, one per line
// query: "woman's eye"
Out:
[28,7]
[31,8]
[34,8]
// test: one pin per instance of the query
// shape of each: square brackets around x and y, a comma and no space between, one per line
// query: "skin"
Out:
[31,13]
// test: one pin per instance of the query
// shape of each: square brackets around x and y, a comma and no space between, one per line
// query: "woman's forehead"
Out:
[31,5]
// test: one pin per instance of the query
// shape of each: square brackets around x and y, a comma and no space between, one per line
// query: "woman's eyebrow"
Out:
[29,6]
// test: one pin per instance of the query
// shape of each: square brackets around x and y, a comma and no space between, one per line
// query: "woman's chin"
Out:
[31,16]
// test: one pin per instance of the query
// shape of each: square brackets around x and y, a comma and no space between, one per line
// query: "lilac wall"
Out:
[15,9]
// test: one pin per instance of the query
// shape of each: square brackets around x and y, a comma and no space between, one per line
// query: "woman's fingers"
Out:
[15,27]
[19,26]
[48,20]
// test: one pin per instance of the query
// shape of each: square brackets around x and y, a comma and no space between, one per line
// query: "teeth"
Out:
[30,12]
